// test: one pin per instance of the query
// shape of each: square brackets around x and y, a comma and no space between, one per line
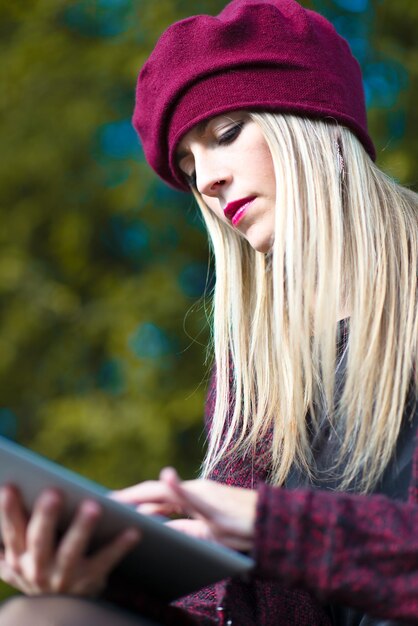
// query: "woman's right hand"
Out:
[33,562]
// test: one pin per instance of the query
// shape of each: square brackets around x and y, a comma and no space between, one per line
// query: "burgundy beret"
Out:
[258,55]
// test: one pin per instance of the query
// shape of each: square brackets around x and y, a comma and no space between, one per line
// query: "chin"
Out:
[262,245]
[260,238]
[263,249]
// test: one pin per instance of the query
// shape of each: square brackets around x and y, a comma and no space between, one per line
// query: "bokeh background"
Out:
[102,268]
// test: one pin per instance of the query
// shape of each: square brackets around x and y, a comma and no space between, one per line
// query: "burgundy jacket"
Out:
[313,549]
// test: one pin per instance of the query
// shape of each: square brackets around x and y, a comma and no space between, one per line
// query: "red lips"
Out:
[233,207]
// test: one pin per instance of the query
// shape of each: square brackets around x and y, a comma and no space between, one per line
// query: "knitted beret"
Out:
[257,55]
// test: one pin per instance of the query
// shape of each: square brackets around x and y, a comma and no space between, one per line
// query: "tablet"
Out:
[166,563]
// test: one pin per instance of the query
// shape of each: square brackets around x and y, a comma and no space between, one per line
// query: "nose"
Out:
[212,176]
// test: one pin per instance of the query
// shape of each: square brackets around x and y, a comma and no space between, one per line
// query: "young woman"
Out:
[311,414]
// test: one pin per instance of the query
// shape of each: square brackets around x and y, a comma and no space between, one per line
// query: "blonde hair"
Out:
[345,237]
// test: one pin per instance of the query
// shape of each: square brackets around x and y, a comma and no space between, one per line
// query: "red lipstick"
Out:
[236,209]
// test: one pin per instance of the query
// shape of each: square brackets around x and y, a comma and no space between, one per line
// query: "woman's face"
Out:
[229,162]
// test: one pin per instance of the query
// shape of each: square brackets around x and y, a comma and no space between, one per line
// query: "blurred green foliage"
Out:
[102,268]
[99,262]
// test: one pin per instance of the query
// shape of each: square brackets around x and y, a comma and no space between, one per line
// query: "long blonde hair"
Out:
[345,237]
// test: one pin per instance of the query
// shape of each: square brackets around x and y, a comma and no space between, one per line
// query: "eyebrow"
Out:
[200,128]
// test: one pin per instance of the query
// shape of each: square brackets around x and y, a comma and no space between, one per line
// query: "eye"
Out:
[230,134]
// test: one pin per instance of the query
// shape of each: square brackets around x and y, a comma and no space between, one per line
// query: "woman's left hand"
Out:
[35,562]
[220,513]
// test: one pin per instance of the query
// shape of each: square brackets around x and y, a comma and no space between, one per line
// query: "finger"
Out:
[234,542]
[151,491]
[192,527]
[74,544]
[101,564]
[13,523]
[189,501]
[41,536]
[152,509]
[165,510]
[202,530]
[13,578]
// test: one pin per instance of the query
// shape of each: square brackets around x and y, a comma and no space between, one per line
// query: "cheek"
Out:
[266,168]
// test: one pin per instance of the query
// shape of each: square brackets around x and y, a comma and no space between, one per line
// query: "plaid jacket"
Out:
[313,548]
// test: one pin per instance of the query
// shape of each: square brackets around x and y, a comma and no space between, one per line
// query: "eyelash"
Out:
[224,139]
[232,133]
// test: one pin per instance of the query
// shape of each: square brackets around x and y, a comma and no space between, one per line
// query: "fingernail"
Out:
[51,498]
[90,507]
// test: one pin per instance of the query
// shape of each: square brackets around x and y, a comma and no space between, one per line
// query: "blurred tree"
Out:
[394,30]
[99,262]
[102,333]
[382,36]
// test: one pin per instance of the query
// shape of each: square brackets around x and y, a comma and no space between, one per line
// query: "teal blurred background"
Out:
[103,268]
